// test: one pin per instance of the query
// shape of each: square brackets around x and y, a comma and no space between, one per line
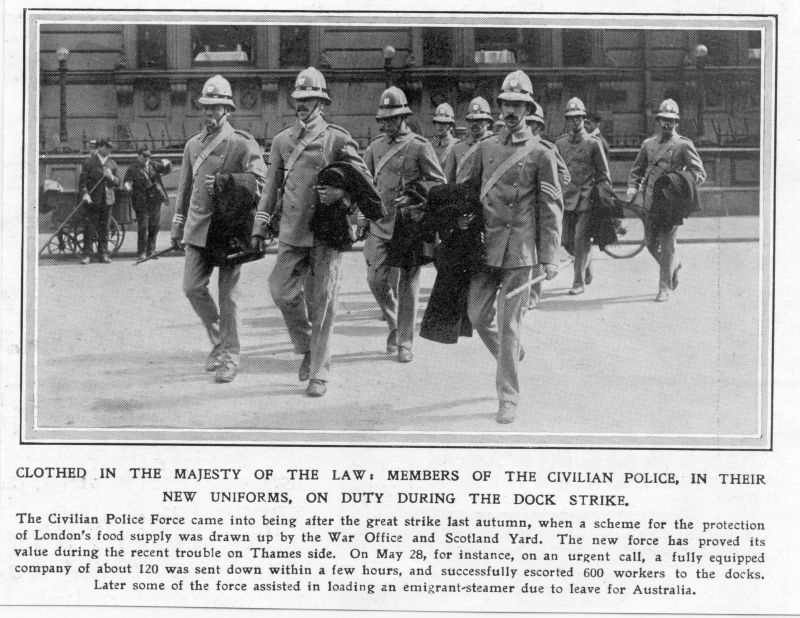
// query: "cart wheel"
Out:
[77,238]
[62,243]
[116,235]
[630,234]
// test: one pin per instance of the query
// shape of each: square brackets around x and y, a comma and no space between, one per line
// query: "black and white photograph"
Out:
[467,229]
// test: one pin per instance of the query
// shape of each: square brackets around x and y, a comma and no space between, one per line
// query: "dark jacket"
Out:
[330,223]
[459,255]
[412,241]
[234,204]
[92,179]
[675,197]
[606,209]
[147,189]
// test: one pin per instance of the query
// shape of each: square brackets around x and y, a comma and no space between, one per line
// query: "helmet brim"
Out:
[391,113]
[444,120]
[479,116]
[303,95]
[516,97]
[574,113]
[669,115]
[216,101]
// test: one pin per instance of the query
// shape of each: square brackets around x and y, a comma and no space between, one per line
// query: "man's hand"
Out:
[108,173]
[550,270]
[177,244]
[127,186]
[257,243]
[416,214]
[361,226]
[86,198]
[464,221]
[630,194]
[329,195]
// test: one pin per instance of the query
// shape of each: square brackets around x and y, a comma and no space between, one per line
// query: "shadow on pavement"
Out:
[564,302]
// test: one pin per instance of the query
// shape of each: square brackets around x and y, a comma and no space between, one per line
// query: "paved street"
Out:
[120,356]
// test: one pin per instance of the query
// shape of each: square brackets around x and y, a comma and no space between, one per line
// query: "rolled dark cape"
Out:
[412,241]
[330,222]
[606,209]
[675,197]
[459,255]
[234,203]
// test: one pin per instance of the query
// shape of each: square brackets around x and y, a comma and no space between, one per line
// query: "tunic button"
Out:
[516,185]
[508,225]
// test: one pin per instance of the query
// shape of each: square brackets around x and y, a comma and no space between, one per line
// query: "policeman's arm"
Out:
[429,164]
[267,205]
[550,210]
[564,177]
[182,198]
[348,152]
[601,171]
[694,164]
[637,171]
[450,166]
[253,163]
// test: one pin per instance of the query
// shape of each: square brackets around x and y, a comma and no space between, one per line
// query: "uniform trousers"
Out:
[395,289]
[148,215]
[221,325]
[96,221]
[487,301]
[578,241]
[662,244]
[305,286]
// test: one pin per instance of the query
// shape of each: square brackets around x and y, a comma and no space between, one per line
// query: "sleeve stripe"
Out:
[179,219]
[551,190]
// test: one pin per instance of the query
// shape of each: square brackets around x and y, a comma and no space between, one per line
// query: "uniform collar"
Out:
[404,133]
[663,140]
[101,158]
[300,127]
[596,132]
[579,136]
[521,135]
[471,139]
[444,141]
[210,134]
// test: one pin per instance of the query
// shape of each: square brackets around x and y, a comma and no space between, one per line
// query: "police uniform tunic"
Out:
[526,195]
[307,272]
[236,152]
[460,158]
[656,157]
[397,294]
[443,146]
[588,166]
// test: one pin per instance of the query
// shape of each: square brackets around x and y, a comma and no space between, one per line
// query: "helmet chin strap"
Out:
[218,122]
[313,114]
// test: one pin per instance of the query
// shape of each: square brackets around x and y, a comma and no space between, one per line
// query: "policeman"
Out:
[444,124]
[588,166]
[660,154]
[520,189]
[306,274]
[536,122]
[396,160]
[217,150]
[479,118]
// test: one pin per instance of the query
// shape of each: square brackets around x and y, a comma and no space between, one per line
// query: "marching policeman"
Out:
[660,154]
[479,118]
[306,274]
[217,150]
[588,166]
[536,123]
[444,123]
[396,160]
[520,190]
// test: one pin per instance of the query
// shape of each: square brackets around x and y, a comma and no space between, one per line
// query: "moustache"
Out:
[511,118]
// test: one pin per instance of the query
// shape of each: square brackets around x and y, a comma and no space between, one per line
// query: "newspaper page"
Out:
[380,307]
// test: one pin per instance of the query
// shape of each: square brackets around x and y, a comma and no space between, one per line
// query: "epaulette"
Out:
[420,138]
[563,135]
[377,139]
[547,144]
[244,134]
[338,128]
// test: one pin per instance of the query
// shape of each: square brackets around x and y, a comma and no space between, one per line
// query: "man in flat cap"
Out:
[98,183]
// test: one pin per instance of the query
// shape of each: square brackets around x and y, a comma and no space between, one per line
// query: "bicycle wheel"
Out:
[116,235]
[630,233]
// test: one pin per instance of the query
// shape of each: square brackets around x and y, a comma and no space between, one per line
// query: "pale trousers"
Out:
[396,291]
[221,324]
[487,301]
[305,286]
[663,245]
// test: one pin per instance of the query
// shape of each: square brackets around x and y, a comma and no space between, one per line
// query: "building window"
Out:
[223,44]
[151,46]
[295,46]
[496,45]
[437,47]
[576,47]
